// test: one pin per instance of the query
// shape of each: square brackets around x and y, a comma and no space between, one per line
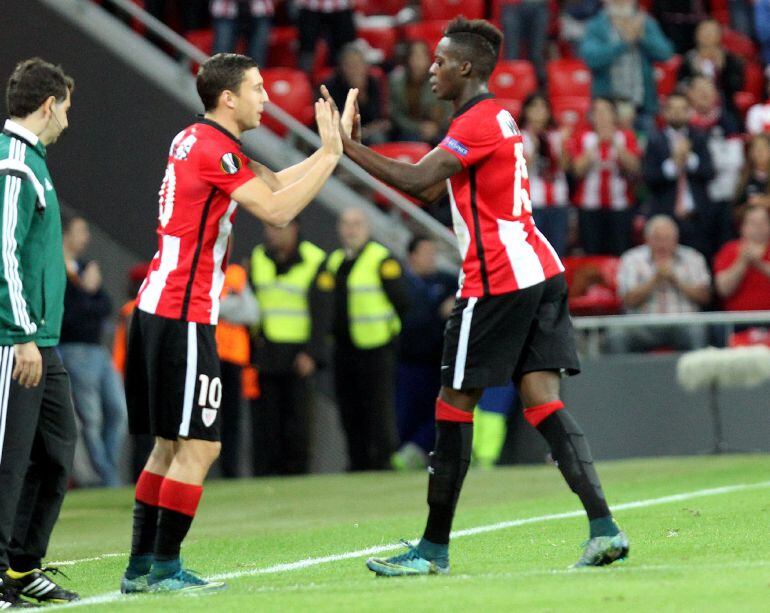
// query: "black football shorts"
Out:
[491,340]
[173,382]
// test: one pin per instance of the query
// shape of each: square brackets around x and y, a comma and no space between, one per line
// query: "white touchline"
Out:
[307,562]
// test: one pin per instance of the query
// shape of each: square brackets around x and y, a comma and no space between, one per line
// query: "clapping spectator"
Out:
[661,277]
[710,59]
[353,71]
[605,160]
[545,152]
[677,169]
[708,112]
[526,20]
[742,267]
[416,113]
[252,17]
[754,186]
[619,47]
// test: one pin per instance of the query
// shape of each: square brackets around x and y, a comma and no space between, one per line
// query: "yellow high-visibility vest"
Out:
[373,320]
[283,299]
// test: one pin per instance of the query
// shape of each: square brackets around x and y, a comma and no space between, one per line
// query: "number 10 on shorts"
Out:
[209,398]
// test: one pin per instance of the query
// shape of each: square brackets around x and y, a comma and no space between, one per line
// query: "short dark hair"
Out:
[481,42]
[220,72]
[414,243]
[32,82]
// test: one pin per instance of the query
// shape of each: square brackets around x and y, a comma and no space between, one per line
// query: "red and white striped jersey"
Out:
[758,119]
[228,9]
[547,181]
[604,186]
[205,166]
[502,249]
[326,6]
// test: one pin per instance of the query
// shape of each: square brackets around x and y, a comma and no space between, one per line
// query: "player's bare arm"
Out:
[424,180]
[281,206]
[283,178]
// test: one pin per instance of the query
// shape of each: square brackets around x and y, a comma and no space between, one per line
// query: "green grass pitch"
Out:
[704,551]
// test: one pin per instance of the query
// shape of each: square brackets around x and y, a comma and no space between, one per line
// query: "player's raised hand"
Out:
[328,121]
[354,131]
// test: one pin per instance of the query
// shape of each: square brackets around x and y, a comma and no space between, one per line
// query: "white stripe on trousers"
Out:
[6,362]
[462,344]
[189,379]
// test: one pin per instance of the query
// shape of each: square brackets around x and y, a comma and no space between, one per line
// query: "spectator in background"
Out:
[754,185]
[677,169]
[371,297]
[762,28]
[709,59]
[418,377]
[605,161]
[661,277]
[253,18]
[238,311]
[619,47]
[526,21]
[416,113]
[742,267]
[708,112]
[679,18]
[334,18]
[758,116]
[295,295]
[353,72]
[545,152]
[96,389]
[573,17]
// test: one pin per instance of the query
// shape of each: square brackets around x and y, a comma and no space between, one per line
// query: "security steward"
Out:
[294,293]
[370,297]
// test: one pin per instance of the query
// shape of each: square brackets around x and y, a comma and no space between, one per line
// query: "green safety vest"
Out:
[373,320]
[283,299]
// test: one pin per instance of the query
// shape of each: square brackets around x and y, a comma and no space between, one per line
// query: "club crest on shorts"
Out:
[230,163]
[209,416]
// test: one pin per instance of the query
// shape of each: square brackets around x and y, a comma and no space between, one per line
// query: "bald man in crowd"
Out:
[370,297]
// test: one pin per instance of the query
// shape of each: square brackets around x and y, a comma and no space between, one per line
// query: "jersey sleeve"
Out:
[226,168]
[472,138]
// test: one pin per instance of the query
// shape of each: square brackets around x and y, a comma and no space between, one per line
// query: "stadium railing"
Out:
[404,213]
[592,327]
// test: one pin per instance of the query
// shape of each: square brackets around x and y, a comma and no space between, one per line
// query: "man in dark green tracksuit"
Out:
[37,423]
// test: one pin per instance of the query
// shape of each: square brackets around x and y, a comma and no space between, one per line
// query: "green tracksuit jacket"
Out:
[32,273]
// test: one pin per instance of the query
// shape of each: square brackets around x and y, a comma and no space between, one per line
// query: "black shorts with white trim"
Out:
[173,381]
[491,340]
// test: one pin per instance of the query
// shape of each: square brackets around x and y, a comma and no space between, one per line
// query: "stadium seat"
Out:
[740,45]
[411,152]
[380,7]
[592,284]
[449,9]
[666,75]
[512,105]
[752,336]
[283,47]
[743,101]
[571,110]
[513,79]
[383,39]
[290,90]
[568,77]
[429,31]
[720,10]
[754,79]
[203,39]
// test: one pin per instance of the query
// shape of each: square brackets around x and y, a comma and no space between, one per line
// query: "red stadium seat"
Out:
[449,9]
[203,39]
[380,7]
[592,284]
[514,79]
[429,31]
[283,47]
[383,39]
[512,105]
[752,336]
[571,110]
[744,101]
[740,45]
[411,152]
[290,90]
[666,74]
[720,10]
[754,79]
[568,77]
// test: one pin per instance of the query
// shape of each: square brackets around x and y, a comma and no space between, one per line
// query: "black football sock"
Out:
[448,466]
[145,523]
[178,503]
